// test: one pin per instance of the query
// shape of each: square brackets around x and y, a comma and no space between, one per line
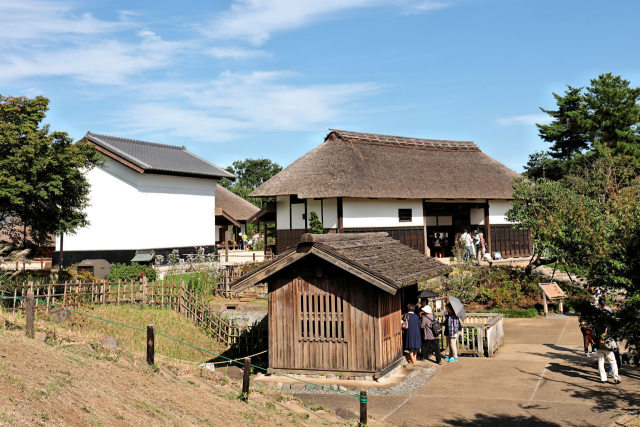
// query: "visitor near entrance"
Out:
[467,243]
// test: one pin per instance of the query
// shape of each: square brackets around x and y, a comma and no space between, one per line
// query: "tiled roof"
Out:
[158,158]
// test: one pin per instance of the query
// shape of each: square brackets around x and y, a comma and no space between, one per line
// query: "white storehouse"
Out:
[418,190]
[144,196]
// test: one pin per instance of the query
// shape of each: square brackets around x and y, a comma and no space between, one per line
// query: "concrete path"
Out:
[540,377]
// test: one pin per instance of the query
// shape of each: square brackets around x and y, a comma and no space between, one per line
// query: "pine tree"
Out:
[315,224]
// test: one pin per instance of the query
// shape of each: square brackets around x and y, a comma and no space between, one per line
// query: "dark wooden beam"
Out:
[340,223]
[487,227]
[424,226]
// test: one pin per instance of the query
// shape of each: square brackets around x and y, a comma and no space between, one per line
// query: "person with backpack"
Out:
[431,330]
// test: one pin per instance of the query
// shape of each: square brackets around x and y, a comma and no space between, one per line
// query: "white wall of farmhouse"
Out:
[371,213]
[129,210]
[497,212]
[361,213]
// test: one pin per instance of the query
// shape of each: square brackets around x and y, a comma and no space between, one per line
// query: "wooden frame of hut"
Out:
[335,302]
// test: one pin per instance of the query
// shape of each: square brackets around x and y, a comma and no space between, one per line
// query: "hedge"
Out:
[124,272]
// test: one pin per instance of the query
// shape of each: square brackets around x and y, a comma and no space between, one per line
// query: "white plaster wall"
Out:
[297,214]
[282,213]
[330,209]
[379,212]
[128,210]
[497,211]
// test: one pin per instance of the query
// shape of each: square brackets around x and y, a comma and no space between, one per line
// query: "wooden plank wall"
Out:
[510,241]
[390,348]
[330,324]
[287,238]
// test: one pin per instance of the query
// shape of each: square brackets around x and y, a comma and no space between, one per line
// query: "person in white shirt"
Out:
[467,242]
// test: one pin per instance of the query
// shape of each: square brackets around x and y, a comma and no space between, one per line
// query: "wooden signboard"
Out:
[552,292]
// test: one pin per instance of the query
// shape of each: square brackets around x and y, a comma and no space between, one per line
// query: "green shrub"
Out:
[124,272]
[516,313]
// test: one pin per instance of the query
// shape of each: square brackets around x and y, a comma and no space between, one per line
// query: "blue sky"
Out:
[267,78]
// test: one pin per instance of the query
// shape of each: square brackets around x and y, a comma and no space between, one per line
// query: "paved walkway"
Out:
[540,377]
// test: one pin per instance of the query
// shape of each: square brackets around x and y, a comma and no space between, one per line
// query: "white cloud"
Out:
[235,53]
[103,62]
[220,109]
[256,20]
[23,20]
[424,6]
[526,119]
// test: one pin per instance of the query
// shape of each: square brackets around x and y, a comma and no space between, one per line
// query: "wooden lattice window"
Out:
[321,317]
[404,215]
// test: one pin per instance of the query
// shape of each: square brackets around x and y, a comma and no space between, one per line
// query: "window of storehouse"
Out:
[404,215]
[321,317]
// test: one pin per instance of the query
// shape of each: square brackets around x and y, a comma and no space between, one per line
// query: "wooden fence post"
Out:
[363,408]
[30,314]
[144,290]
[181,296]
[246,379]
[151,343]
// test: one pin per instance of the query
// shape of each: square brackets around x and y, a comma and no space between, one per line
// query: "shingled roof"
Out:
[234,205]
[354,164]
[374,257]
[150,157]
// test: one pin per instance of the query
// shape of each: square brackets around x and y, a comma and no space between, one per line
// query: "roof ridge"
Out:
[383,139]
[139,141]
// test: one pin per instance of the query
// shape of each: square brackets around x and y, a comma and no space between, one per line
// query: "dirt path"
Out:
[540,377]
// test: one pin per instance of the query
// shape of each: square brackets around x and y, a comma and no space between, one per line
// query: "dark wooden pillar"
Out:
[61,251]
[264,236]
[306,216]
[427,252]
[487,228]
[226,243]
[340,223]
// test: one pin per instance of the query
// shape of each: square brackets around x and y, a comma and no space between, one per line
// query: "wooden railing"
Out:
[167,294]
[478,332]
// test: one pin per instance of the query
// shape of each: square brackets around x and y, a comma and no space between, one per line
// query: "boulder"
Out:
[110,343]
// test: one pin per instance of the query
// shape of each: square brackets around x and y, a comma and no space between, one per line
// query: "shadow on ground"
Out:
[499,420]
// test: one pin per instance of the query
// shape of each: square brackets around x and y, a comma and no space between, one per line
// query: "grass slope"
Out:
[166,321]
[53,382]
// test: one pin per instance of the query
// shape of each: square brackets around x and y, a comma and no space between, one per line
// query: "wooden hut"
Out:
[335,302]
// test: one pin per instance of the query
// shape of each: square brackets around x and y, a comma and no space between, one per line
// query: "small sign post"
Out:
[552,292]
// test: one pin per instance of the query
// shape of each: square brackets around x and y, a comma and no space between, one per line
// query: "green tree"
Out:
[43,186]
[590,220]
[600,120]
[250,173]
[315,224]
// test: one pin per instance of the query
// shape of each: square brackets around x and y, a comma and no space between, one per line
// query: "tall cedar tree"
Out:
[590,123]
[43,187]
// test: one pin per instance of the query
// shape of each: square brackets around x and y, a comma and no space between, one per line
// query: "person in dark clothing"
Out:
[412,338]
[430,343]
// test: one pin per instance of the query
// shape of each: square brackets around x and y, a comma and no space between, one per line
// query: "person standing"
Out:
[452,328]
[606,324]
[412,338]
[467,243]
[481,247]
[431,342]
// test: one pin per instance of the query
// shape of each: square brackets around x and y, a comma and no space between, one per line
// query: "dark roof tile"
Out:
[158,158]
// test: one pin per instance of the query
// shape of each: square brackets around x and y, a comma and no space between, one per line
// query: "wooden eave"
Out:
[266,210]
[262,273]
[219,212]
[115,157]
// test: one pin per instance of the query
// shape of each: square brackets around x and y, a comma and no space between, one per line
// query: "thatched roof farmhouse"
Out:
[420,191]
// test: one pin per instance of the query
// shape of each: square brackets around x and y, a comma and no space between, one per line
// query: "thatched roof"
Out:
[352,164]
[234,205]
[374,257]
